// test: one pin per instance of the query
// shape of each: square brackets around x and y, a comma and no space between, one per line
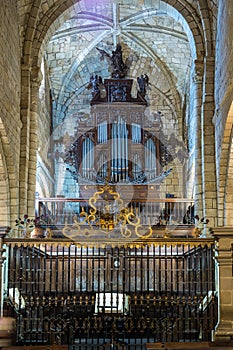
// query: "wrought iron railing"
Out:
[125,296]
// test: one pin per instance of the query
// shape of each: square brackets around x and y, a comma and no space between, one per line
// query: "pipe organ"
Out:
[117,143]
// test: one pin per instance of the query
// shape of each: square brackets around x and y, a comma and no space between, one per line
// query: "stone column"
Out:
[224,329]
[209,195]
[197,101]
[30,81]
[203,111]
[36,77]
[24,138]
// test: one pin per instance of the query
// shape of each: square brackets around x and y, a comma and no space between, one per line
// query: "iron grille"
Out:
[97,298]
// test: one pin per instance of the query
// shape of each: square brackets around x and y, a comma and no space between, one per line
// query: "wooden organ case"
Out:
[117,143]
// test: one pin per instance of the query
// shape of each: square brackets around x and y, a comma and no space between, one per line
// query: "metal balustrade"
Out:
[122,297]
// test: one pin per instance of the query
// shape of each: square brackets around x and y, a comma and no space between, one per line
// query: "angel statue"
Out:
[94,84]
[143,83]
[116,61]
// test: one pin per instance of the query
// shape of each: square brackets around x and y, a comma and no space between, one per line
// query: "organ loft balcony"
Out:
[122,146]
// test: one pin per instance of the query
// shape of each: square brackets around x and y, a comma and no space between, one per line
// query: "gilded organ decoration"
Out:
[107,213]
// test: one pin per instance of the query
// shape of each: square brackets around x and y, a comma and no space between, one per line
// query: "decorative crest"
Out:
[107,214]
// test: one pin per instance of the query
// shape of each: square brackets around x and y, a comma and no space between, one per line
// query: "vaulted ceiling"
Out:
[161,37]
[155,38]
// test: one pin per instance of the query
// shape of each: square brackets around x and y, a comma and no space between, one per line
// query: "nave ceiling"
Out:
[162,39]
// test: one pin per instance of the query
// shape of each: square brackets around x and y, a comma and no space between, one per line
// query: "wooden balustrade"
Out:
[152,212]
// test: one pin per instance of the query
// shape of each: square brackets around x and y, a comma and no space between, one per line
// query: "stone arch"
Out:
[208,25]
[44,23]
[50,21]
[190,12]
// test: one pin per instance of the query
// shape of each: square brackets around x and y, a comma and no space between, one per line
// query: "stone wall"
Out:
[10,124]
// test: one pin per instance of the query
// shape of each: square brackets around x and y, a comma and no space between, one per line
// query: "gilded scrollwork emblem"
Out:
[107,213]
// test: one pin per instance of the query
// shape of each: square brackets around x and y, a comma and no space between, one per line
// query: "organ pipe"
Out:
[150,158]
[119,150]
[136,133]
[102,133]
[88,158]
